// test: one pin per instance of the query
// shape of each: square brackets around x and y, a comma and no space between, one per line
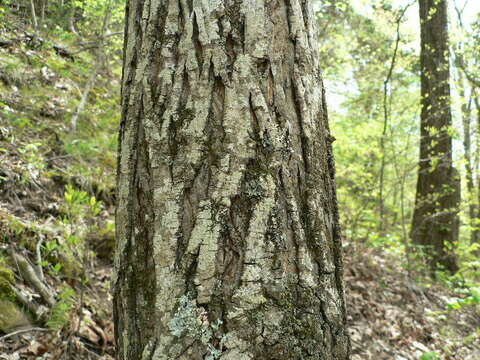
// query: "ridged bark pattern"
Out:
[435,223]
[228,242]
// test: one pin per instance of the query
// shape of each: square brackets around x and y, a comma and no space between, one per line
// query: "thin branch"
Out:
[386,83]
[92,79]
[460,11]
[34,16]
[23,331]
[39,311]
[39,259]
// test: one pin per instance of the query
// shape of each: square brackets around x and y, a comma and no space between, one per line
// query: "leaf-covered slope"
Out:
[393,317]
[56,191]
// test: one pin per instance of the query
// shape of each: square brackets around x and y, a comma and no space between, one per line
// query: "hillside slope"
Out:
[56,194]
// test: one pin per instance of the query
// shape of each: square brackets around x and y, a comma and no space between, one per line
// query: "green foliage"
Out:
[94,145]
[430,356]
[60,313]
[7,279]
[40,152]
[2,14]
[78,203]
[12,317]
[92,10]
[356,50]
[81,211]
[23,122]
[11,68]
[34,161]
[62,256]
[473,298]
[74,199]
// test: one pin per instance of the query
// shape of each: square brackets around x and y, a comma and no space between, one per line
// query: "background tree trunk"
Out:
[467,150]
[34,15]
[435,222]
[476,166]
[228,241]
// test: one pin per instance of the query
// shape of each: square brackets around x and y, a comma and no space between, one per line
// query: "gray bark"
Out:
[34,15]
[228,241]
[435,225]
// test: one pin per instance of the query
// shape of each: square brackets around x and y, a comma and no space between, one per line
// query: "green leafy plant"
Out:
[61,311]
[33,158]
[430,356]
[78,203]
[51,246]
[23,122]
[472,299]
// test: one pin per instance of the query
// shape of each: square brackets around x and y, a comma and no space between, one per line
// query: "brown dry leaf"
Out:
[355,335]
[87,328]
[91,335]
[109,333]
[36,348]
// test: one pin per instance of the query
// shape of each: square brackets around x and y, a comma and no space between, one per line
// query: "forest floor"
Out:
[57,238]
[393,317]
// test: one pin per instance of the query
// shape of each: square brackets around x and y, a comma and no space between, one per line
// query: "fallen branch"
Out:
[5,43]
[39,311]
[22,332]
[39,258]
[84,99]
[61,51]
[28,274]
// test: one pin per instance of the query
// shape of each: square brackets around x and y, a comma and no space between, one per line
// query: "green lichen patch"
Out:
[193,322]
[7,278]
[292,322]
[11,317]
[275,233]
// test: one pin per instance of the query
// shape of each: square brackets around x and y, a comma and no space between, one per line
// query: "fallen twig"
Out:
[18,332]
[39,311]
[39,258]
[29,275]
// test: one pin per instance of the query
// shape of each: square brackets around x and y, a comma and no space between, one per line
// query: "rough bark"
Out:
[228,241]
[435,222]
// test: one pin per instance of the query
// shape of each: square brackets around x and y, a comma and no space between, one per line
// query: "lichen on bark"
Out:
[227,210]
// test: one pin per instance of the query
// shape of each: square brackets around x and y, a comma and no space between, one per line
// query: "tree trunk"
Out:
[34,15]
[476,222]
[40,10]
[228,241]
[467,150]
[435,222]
